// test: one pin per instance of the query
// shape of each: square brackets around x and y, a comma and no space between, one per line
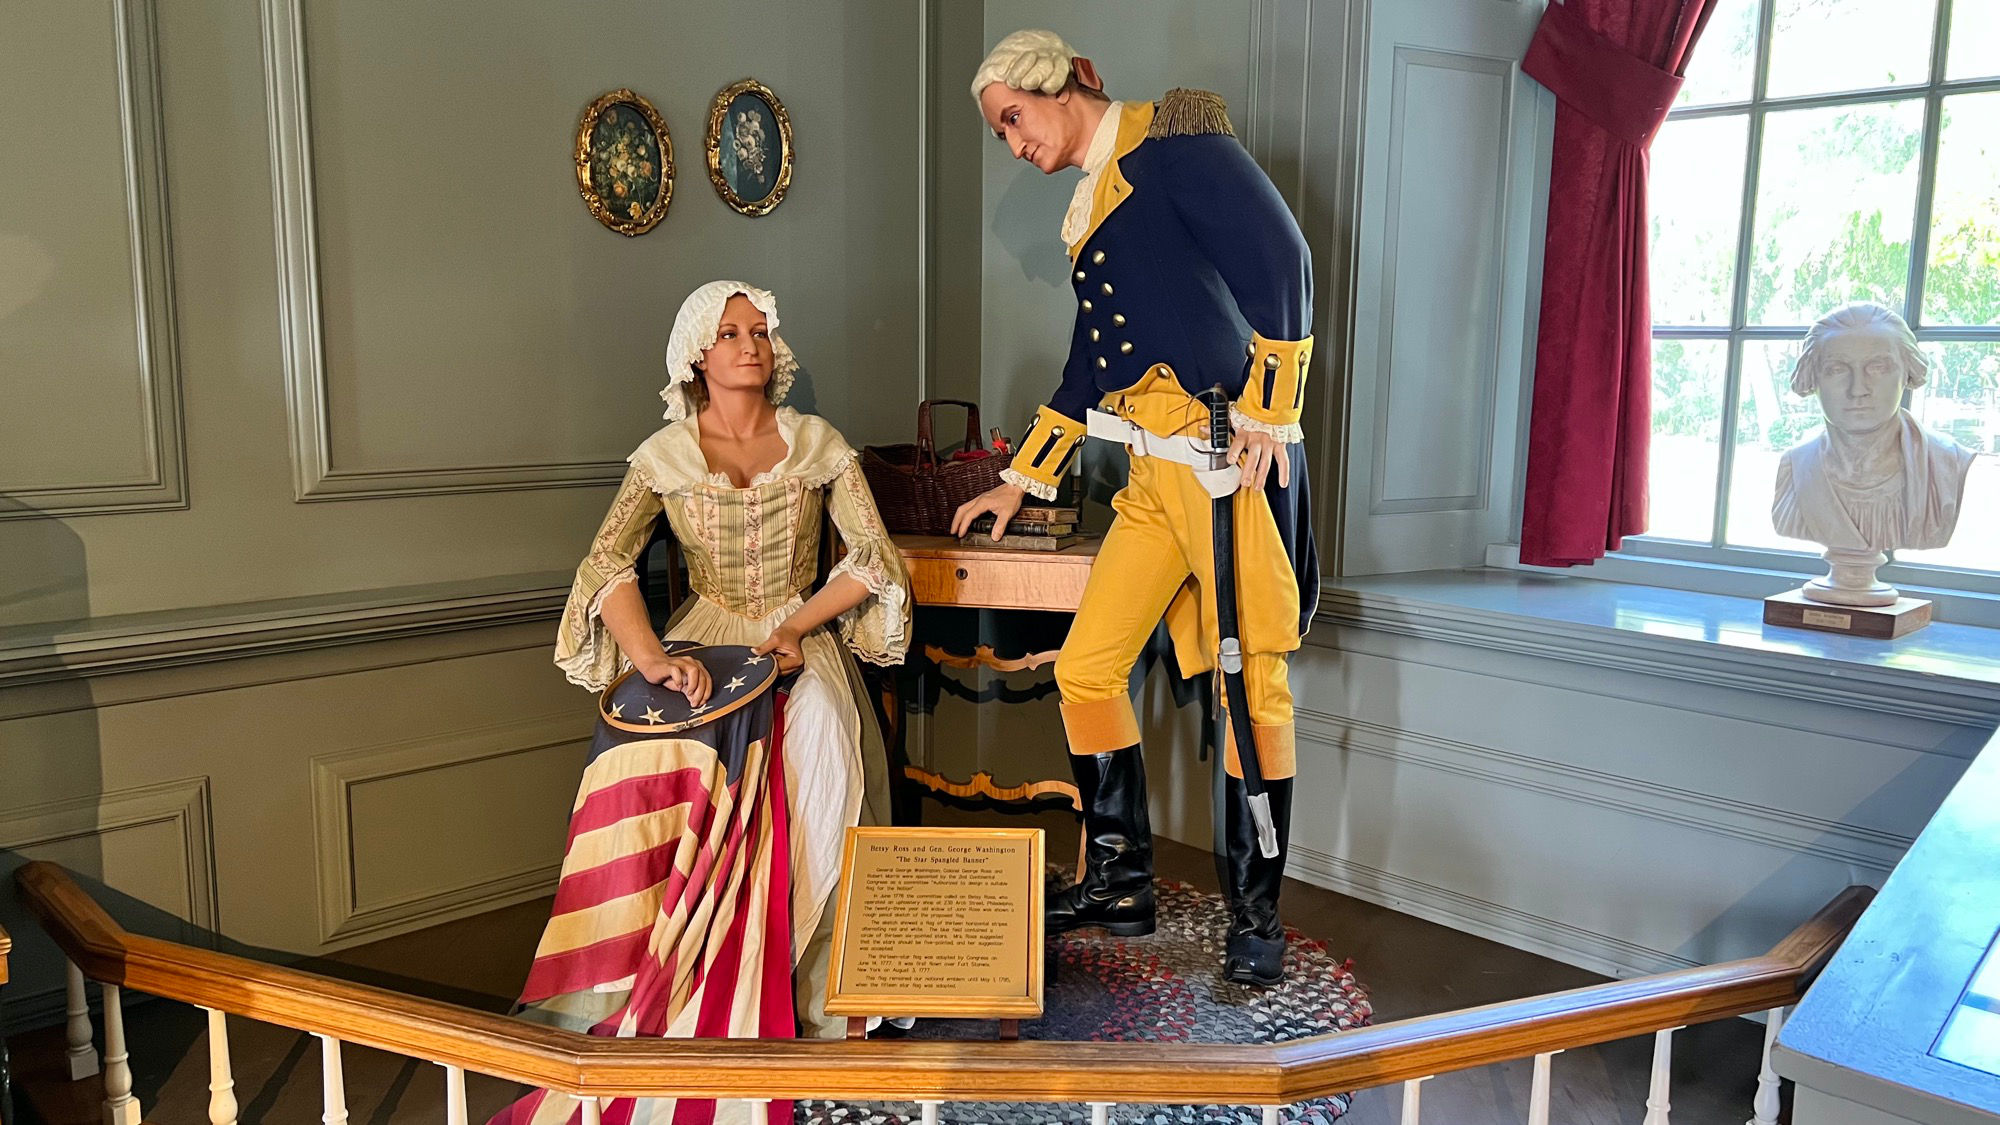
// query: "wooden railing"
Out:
[930,1071]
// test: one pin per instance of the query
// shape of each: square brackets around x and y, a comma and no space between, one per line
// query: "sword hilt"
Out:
[1217,402]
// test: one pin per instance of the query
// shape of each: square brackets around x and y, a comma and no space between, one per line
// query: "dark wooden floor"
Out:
[1410,968]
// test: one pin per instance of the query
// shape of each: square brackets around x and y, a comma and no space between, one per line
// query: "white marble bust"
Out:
[1873,480]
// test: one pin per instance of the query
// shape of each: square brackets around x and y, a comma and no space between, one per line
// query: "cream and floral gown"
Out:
[752,555]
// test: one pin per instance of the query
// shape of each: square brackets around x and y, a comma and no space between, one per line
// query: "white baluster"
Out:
[1271,1115]
[82,1054]
[1413,1100]
[221,1084]
[333,1086]
[1764,1107]
[930,1111]
[1538,1091]
[760,1111]
[590,1110]
[1100,1113]
[120,1107]
[454,1095]
[1663,1066]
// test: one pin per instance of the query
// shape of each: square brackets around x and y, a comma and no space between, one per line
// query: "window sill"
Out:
[1944,672]
[1653,563]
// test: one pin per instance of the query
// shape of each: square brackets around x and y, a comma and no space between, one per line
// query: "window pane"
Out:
[1695,192]
[1820,46]
[1726,57]
[1962,281]
[1769,420]
[1961,400]
[1686,456]
[1975,39]
[1835,194]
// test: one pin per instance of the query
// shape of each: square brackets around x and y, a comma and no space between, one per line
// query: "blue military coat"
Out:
[1191,259]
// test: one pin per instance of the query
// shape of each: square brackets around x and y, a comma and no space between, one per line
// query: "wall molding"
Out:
[183,805]
[1780,829]
[1404,59]
[1518,929]
[69,651]
[1901,693]
[302,325]
[343,918]
[159,371]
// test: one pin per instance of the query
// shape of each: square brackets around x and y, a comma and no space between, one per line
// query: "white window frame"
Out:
[1974,594]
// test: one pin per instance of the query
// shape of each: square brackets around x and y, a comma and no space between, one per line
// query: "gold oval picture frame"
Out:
[749,147]
[624,163]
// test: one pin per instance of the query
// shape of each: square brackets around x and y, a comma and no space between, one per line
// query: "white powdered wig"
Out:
[1033,60]
[694,331]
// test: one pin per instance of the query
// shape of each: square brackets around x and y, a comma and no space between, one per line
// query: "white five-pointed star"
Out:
[698,710]
[653,715]
[734,684]
[754,660]
[617,710]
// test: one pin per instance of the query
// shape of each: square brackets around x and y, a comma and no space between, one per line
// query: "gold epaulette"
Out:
[1184,112]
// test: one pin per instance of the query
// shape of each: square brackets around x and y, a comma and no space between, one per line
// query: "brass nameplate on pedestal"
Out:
[938,922]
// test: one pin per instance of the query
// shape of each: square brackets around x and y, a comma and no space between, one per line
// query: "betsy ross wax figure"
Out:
[1189,273]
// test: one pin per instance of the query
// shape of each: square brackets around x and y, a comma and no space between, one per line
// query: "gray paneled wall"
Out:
[468,325]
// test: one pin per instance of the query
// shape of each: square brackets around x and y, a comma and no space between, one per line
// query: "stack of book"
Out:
[1033,528]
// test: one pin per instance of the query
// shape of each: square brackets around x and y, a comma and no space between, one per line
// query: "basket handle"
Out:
[927,445]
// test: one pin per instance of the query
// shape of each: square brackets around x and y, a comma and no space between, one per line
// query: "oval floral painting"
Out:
[624,162]
[749,147]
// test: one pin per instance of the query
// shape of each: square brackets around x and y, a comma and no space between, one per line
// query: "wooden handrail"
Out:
[1026,1070]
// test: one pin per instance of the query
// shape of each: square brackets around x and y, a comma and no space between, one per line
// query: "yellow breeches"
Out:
[1158,559]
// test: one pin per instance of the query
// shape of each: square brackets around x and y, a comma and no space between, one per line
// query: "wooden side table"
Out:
[968,574]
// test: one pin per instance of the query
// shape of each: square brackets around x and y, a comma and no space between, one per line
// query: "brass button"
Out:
[1080,275]
[1126,347]
[1271,362]
[1249,350]
[1107,289]
[1094,334]
[1097,259]
[1086,305]
[1118,319]
[1102,363]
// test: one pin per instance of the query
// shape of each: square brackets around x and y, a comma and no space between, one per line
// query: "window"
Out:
[1823,151]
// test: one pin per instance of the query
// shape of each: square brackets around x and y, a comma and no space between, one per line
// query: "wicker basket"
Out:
[917,493]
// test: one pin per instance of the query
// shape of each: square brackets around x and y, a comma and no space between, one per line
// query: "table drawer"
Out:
[1024,582]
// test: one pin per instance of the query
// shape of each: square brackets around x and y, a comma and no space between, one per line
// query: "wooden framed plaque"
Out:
[938,922]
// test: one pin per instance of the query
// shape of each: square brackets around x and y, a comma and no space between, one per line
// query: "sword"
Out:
[1230,659]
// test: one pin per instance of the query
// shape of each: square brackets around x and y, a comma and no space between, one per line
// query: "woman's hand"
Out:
[788,642]
[683,674]
[1003,500]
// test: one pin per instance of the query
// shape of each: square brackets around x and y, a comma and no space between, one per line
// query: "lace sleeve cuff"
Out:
[1027,484]
[877,630]
[1287,432]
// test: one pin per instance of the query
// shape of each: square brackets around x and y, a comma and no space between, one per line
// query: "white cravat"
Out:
[1077,219]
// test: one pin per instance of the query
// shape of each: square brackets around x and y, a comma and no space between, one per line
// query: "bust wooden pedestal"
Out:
[1882,622]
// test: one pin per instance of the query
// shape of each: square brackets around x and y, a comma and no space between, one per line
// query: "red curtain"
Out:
[1614,66]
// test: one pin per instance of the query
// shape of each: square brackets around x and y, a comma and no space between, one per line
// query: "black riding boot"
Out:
[1117,887]
[1256,937]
